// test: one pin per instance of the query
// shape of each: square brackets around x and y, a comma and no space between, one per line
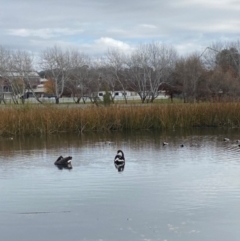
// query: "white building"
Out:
[40,89]
[130,95]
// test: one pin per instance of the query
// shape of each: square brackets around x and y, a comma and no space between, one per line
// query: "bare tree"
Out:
[228,59]
[180,80]
[138,75]
[223,84]
[22,66]
[225,55]
[79,76]
[5,57]
[149,66]
[189,77]
[17,70]
[224,73]
[194,70]
[114,71]
[56,63]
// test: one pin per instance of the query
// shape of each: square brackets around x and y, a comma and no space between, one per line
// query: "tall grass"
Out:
[32,120]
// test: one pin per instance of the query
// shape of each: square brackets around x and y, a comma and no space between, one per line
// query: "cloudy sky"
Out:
[93,26]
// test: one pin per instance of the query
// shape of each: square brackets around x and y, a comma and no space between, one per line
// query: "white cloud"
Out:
[106,42]
[189,48]
[94,48]
[43,33]
[94,26]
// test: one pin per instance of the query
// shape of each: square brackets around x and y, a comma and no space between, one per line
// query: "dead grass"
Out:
[34,120]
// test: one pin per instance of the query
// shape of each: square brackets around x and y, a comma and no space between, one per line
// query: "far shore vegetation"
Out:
[119,91]
[55,119]
[148,72]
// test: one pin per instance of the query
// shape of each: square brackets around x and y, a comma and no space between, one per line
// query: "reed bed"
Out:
[32,120]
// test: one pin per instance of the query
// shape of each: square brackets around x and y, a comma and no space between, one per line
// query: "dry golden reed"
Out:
[32,120]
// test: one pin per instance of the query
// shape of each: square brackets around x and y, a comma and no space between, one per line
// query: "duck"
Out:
[64,162]
[164,143]
[181,145]
[108,142]
[226,139]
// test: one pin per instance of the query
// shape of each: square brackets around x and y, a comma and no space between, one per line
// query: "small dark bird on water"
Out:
[119,158]
[119,161]
[164,143]
[226,139]
[64,162]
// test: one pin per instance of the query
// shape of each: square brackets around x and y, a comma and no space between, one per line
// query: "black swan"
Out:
[119,161]
[119,158]
[64,162]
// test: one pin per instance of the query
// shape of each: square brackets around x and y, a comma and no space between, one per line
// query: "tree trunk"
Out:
[78,100]
[57,100]
[23,100]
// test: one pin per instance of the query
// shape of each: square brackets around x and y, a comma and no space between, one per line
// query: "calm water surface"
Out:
[165,193]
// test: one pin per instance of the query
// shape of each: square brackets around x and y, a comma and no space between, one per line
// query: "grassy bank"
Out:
[33,120]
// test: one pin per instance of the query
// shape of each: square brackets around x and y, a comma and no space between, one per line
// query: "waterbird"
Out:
[226,139]
[119,158]
[108,142]
[164,143]
[119,161]
[64,162]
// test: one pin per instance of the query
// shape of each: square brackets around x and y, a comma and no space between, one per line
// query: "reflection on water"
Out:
[67,166]
[167,192]
[119,166]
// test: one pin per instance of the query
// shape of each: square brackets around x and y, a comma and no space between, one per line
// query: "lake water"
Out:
[166,193]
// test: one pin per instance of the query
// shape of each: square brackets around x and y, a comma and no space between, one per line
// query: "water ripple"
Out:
[169,190]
